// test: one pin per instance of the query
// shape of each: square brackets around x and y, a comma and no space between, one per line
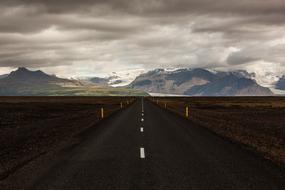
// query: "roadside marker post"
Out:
[102,113]
[121,105]
[165,105]
[187,111]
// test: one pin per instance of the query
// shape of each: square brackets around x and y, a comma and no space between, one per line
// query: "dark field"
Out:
[33,126]
[256,122]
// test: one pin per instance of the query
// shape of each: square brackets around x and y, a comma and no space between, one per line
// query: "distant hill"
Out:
[199,82]
[230,85]
[107,81]
[24,82]
[100,81]
[281,83]
[25,77]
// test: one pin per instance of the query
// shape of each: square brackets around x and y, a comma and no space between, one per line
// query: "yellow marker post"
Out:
[187,111]
[102,113]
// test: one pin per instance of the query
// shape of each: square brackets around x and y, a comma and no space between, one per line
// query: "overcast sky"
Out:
[97,37]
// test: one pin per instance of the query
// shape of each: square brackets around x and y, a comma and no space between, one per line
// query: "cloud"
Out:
[158,6]
[239,58]
[93,36]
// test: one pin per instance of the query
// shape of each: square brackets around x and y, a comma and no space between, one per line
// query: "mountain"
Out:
[3,76]
[230,85]
[281,83]
[24,82]
[108,81]
[114,81]
[100,81]
[25,77]
[171,82]
[199,82]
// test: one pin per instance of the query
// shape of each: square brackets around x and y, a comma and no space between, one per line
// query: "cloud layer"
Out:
[89,37]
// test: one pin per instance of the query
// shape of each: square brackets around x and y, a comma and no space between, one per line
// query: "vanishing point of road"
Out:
[146,147]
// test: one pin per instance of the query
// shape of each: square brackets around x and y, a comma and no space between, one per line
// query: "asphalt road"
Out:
[164,151]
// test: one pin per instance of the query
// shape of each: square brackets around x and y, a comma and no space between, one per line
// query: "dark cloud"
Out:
[162,6]
[145,33]
[156,7]
[35,15]
[239,58]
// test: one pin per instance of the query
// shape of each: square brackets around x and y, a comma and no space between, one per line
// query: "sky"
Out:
[99,37]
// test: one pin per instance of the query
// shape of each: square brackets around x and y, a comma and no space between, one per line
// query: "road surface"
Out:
[146,147]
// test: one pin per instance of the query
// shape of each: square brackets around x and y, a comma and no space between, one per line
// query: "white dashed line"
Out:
[142,129]
[142,153]
[142,120]
[142,114]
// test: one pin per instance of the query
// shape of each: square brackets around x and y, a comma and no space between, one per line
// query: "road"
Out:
[156,149]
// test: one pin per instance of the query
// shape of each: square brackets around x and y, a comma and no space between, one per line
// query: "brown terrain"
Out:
[256,122]
[34,126]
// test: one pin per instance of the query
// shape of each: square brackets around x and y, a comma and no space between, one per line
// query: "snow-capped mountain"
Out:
[116,79]
[200,82]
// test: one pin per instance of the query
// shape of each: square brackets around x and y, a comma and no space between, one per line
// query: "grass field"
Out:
[74,91]
[257,122]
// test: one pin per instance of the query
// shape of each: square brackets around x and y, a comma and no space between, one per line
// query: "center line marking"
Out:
[142,153]
[141,129]
[142,119]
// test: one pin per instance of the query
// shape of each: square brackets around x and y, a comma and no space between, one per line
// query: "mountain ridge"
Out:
[27,77]
[24,82]
[281,83]
[186,81]
[200,82]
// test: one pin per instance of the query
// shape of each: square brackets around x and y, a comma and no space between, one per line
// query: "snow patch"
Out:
[161,94]
[123,78]
[277,91]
